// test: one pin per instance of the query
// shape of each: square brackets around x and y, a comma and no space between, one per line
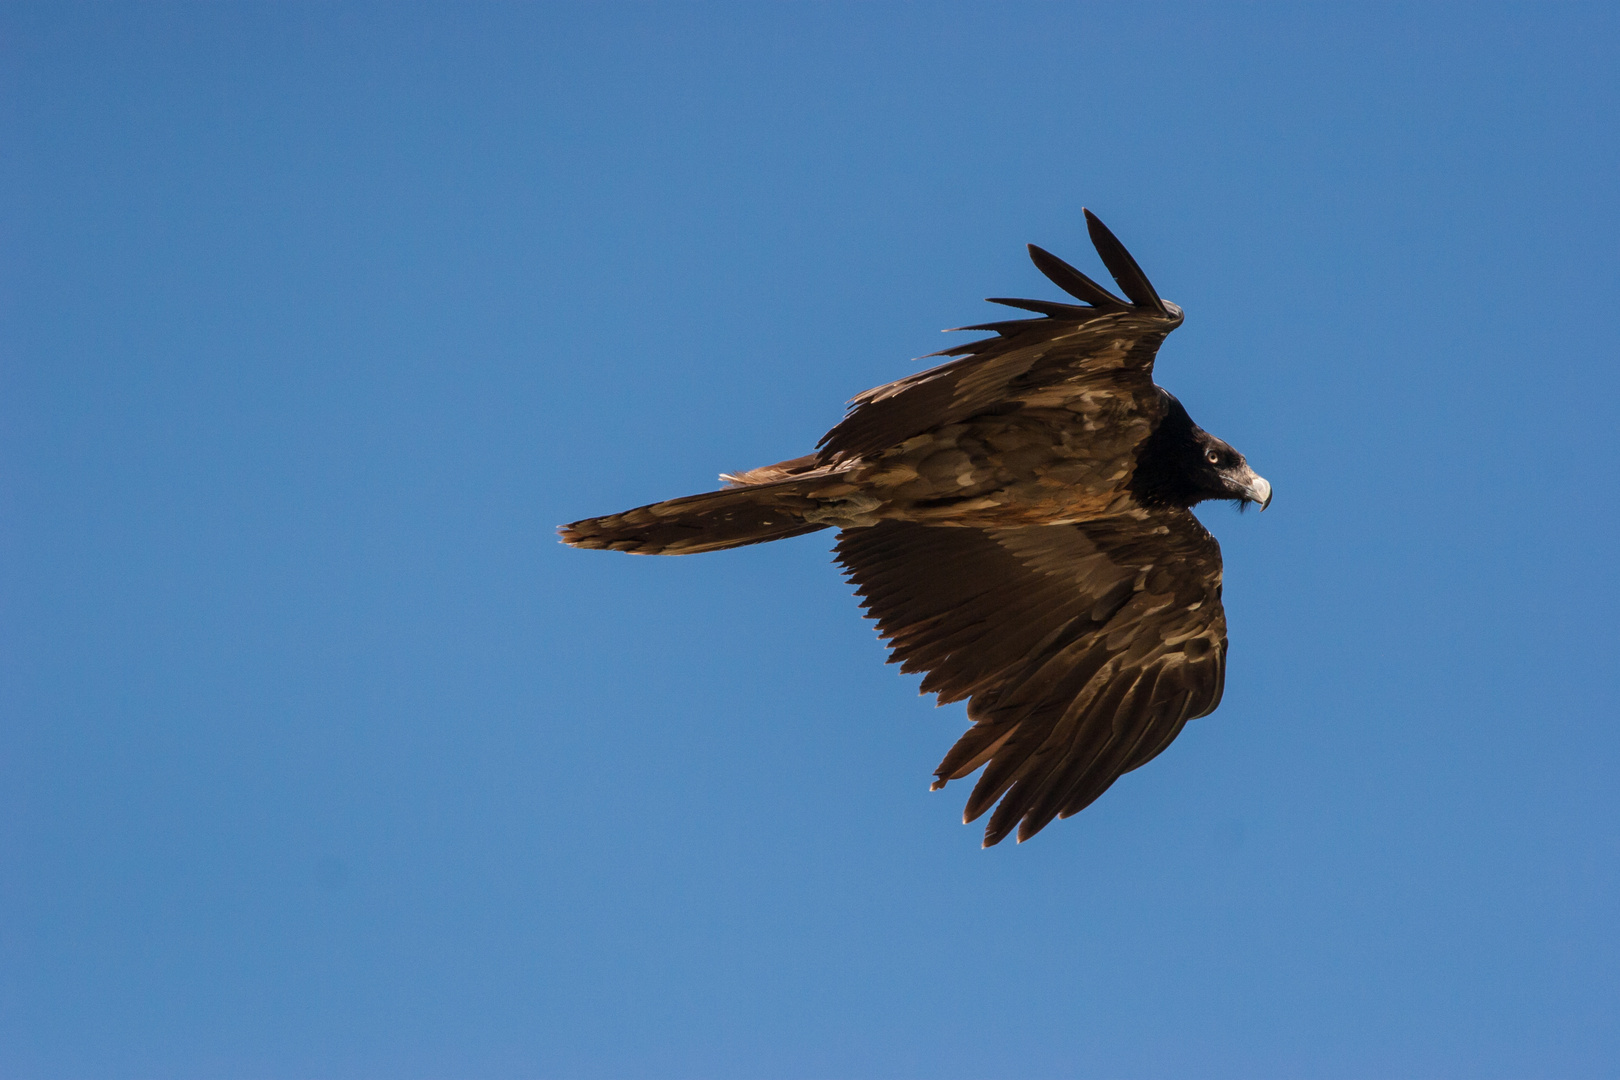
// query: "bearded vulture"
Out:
[1018,522]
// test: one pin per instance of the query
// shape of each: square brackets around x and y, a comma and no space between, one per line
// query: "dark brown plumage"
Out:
[1017,521]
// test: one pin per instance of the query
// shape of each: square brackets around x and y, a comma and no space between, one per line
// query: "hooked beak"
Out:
[1256,488]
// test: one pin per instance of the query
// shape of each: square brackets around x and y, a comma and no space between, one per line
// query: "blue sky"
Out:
[322,759]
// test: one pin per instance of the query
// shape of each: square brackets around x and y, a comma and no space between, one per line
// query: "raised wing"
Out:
[1107,341]
[1082,649]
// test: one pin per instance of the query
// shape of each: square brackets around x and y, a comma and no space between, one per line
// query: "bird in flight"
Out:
[1018,522]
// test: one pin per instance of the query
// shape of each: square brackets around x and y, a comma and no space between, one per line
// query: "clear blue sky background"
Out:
[320,758]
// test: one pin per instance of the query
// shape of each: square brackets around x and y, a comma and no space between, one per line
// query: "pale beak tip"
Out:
[1262,492]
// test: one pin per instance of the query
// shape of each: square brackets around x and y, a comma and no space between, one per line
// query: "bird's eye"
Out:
[1213,457]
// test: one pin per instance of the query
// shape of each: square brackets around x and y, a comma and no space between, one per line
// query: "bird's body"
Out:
[1018,522]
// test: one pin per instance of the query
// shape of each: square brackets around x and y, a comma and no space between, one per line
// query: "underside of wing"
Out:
[1106,340]
[1082,649]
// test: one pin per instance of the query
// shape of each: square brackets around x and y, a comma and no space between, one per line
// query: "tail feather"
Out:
[747,513]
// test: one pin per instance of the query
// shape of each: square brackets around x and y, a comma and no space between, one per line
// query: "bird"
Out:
[1018,522]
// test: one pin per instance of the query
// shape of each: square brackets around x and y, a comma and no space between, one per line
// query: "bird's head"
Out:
[1181,464]
[1223,473]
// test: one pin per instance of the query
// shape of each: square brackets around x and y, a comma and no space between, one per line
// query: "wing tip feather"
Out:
[1122,266]
[1072,281]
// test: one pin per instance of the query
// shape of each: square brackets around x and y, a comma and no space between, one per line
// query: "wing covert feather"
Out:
[1114,349]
